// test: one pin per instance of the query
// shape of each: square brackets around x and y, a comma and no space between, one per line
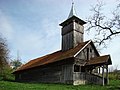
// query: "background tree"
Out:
[105,27]
[4,51]
[5,69]
[16,63]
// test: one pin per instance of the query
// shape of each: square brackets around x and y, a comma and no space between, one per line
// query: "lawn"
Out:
[6,85]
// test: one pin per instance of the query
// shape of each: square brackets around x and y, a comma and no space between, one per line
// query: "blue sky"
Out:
[32,26]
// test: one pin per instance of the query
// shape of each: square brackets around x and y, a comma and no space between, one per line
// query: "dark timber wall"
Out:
[72,35]
[58,72]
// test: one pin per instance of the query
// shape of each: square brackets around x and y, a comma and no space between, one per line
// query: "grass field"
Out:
[6,85]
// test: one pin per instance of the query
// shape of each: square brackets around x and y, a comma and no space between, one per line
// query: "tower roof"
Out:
[72,16]
[72,11]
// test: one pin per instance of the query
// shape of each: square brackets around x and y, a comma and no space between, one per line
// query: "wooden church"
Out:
[78,61]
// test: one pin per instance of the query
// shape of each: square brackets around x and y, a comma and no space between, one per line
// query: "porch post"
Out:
[99,70]
[103,75]
[107,74]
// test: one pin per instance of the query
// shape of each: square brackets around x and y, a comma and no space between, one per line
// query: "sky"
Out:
[31,27]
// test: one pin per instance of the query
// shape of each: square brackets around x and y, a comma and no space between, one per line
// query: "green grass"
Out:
[6,85]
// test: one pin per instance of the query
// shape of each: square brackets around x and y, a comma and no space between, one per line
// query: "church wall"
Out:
[81,77]
[78,38]
[67,41]
[86,54]
[59,72]
[72,34]
[78,27]
[67,29]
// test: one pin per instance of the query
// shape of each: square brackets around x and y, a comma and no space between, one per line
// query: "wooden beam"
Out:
[107,74]
[99,70]
[103,75]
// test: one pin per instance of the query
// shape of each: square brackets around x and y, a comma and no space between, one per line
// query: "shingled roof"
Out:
[56,56]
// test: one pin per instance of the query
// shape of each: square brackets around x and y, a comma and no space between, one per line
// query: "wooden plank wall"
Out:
[67,41]
[87,78]
[60,72]
[82,56]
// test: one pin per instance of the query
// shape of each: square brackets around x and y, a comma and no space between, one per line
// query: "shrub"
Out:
[6,74]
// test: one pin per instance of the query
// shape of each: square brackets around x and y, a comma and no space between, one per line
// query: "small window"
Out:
[76,68]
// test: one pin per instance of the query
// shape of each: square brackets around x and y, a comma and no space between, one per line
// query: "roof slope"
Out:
[50,58]
[100,60]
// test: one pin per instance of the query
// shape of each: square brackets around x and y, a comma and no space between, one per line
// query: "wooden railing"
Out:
[89,78]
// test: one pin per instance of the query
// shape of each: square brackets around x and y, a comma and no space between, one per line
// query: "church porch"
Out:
[94,71]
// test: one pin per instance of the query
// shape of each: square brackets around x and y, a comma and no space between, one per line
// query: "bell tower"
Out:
[72,30]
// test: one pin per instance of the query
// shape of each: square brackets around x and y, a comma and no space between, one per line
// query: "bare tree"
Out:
[104,27]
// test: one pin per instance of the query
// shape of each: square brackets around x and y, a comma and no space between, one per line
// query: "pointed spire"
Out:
[72,11]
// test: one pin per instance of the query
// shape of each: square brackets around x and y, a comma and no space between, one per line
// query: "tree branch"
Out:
[105,27]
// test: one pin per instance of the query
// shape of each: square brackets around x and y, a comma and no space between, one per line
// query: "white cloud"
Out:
[5,26]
